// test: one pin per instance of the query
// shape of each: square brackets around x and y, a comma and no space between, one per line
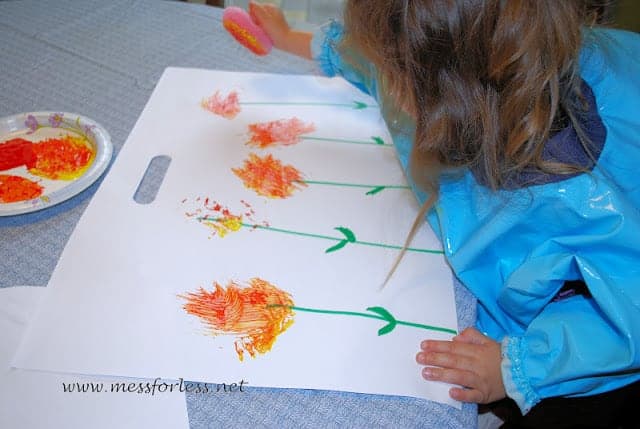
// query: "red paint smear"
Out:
[247,312]
[63,158]
[284,132]
[227,107]
[16,153]
[16,188]
[268,177]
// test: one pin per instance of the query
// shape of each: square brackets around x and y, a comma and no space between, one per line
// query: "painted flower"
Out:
[269,177]
[284,132]
[255,313]
[32,123]
[227,107]
[55,119]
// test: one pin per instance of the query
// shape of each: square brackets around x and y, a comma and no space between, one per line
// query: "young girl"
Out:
[522,125]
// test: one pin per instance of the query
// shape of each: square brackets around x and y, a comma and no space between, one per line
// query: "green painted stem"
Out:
[326,237]
[327,139]
[353,185]
[358,105]
[367,315]
[429,327]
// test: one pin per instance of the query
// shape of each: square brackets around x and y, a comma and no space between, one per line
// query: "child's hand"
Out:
[471,360]
[271,19]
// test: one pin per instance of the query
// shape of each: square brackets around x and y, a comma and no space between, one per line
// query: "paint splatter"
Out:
[219,218]
[227,107]
[284,132]
[224,224]
[269,177]
[64,158]
[16,188]
[255,313]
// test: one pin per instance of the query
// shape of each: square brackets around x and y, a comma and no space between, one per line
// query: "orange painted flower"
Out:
[227,107]
[255,314]
[64,158]
[16,188]
[268,177]
[284,131]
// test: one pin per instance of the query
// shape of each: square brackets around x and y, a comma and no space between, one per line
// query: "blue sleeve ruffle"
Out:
[323,47]
[335,60]
[515,381]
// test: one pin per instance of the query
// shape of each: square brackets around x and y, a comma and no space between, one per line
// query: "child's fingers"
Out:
[271,19]
[459,348]
[255,12]
[471,335]
[261,12]
[452,376]
[467,395]
[446,360]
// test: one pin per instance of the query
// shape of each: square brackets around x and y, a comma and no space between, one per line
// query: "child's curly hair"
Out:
[487,81]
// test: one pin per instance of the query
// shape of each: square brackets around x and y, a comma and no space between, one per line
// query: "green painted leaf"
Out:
[382,312]
[349,235]
[375,190]
[338,246]
[386,328]
[378,140]
[387,316]
[359,105]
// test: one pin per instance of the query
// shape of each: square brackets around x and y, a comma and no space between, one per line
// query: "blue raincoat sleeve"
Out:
[359,72]
[584,344]
[514,249]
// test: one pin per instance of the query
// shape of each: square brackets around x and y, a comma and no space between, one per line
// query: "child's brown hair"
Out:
[487,81]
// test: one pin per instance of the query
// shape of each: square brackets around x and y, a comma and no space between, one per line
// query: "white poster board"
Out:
[129,296]
[35,399]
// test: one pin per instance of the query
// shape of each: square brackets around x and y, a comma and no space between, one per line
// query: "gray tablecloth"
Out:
[102,59]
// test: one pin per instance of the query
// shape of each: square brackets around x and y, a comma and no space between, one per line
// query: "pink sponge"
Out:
[238,22]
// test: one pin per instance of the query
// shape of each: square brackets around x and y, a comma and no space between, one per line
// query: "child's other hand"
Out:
[271,19]
[471,360]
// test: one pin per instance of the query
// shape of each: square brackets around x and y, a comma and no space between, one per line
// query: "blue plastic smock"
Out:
[514,249]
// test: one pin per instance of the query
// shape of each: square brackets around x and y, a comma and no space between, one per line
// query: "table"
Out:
[102,59]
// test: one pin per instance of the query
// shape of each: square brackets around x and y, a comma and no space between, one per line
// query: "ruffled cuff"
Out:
[323,44]
[516,383]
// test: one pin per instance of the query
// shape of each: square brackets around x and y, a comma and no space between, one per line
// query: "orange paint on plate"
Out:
[16,188]
[269,177]
[64,158]
[255,314]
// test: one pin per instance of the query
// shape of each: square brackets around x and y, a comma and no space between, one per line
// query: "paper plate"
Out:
[41,126]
